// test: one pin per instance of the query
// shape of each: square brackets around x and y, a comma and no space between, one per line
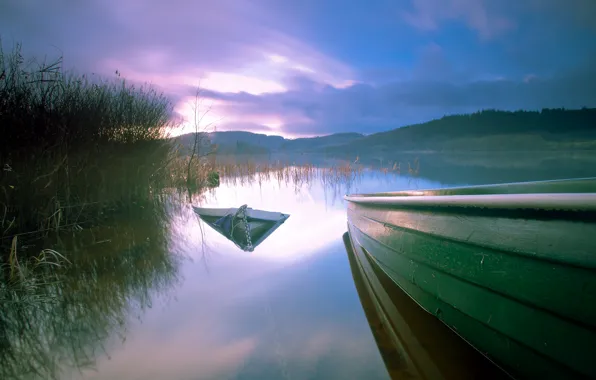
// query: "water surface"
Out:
[287,310]
[159,294]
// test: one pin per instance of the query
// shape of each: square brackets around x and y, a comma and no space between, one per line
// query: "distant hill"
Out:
[231,138]
[490,130]
[236,142]
[315,143]
[549,129]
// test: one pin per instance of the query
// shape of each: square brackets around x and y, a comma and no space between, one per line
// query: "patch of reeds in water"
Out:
[249,172]
[297,174]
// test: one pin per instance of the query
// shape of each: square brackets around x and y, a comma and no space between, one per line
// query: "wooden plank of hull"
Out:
[519,258]
[413,343]
[527,311]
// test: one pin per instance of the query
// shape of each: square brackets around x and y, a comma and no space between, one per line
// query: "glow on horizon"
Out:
[215,120]
[206,113]
[258,77]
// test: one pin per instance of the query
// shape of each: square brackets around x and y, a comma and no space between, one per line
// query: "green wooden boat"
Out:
[511,268]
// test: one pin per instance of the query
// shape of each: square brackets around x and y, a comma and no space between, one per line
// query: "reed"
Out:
[42,107]
[345,172]
[75,148]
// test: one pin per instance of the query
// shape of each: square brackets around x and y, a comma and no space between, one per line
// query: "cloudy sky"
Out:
[312,67]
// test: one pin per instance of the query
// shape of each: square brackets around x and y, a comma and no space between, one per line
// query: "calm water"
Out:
[163,296]
[287,310]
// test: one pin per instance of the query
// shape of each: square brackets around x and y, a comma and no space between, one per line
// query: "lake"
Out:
[161,295]
[287,310]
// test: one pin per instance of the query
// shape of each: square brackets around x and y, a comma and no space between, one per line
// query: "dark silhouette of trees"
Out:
[549,124]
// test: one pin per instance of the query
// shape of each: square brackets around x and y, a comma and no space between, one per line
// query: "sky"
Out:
[316,67]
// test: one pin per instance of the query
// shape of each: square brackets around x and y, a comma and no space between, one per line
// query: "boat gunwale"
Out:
[496,188]
[562,194]
[540,201]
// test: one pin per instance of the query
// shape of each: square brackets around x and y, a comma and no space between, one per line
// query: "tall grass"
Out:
[42,107]
[74,148]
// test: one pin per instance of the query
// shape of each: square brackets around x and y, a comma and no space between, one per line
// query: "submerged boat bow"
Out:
[244,226]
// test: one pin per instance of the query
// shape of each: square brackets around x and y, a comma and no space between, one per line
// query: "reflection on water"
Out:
[63,317]
[287,310]
[476,168]
[155,293]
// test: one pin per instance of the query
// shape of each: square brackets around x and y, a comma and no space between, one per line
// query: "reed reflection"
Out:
[59,308]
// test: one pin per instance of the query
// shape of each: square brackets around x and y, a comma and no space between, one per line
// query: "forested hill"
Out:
[548,129]
[490,130]
[240,142]
[312,143]
[491,122]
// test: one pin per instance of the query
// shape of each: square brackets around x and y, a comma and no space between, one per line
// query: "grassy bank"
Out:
[77,149]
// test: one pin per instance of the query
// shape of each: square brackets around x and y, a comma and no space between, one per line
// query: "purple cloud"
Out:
[319,67]
[182,38]
[312,110]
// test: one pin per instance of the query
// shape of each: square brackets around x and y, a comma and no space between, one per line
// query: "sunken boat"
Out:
[244,226]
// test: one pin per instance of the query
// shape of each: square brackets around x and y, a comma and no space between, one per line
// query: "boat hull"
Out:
[413,344]
[522,290]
